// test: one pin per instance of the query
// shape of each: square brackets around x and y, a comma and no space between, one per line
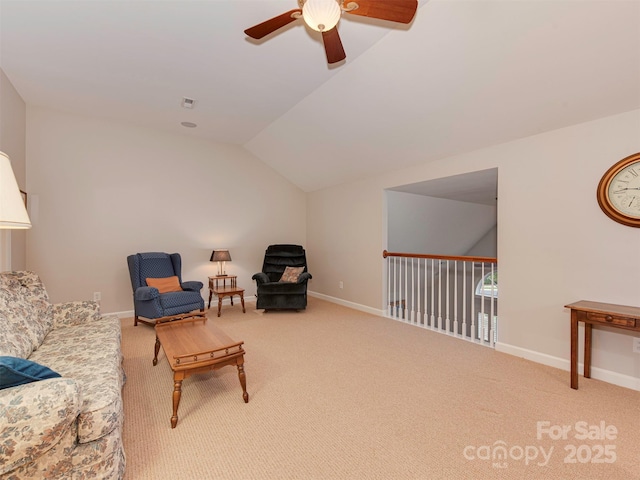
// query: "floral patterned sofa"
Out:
[68,427]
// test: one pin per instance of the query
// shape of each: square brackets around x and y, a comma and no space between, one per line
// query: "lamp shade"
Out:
[220,256]
[321,15]
[13,213]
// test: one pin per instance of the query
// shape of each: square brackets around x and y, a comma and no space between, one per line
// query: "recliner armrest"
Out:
[192,286]
[146,293]
[261,277]
[303,277]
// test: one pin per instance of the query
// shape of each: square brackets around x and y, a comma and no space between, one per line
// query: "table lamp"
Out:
[220,256]
[13,212]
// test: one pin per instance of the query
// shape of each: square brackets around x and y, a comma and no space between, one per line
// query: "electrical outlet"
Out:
[636,345]
[97,296]
[341,285]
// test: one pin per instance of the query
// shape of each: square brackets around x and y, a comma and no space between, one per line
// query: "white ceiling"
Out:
[463,75]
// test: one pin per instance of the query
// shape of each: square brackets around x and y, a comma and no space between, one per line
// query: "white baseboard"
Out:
[214,303]
[346,303]
[608,376]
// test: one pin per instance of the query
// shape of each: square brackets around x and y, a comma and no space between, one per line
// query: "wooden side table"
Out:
[214,282]
[596,313]
[222,292]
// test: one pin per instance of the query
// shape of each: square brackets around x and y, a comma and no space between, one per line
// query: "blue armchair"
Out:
[148,302]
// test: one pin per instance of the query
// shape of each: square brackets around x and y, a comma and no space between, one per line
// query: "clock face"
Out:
[619,191]
[624,190]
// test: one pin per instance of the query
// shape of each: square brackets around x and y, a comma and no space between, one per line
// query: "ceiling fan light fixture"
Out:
[321,15]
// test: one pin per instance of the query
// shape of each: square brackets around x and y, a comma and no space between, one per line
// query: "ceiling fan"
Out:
[324,15]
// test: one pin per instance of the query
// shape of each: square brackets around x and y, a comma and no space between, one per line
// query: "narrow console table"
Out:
[596,313]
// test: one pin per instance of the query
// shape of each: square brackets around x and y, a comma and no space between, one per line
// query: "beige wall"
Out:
[555,245]
[12,142]
[103,190]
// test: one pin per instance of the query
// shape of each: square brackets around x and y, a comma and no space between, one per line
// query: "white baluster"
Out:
[395,287]
[426,284]
[482,327]
[464,299]
[389,299]
[473,301]
[491,317]
[439,319]
[455,298]
[418,297]
[433,295]
[413,294]
[448,317]
[399,302]
[405,315]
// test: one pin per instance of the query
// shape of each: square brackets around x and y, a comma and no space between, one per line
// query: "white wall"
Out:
[429,225]
[555,245]
[103,190]
[487,246]
[12,142]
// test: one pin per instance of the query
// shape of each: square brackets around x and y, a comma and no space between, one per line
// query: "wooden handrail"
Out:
[386,254]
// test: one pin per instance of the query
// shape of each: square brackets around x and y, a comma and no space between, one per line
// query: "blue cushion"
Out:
[18,371]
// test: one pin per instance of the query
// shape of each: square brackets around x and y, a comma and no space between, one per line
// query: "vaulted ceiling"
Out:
[463,75]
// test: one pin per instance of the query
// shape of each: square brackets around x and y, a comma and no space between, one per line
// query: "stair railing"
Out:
[454,295]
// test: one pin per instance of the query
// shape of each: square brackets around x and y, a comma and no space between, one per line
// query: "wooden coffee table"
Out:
[195,345]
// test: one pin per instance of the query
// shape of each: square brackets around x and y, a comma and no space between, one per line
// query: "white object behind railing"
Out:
[457,296]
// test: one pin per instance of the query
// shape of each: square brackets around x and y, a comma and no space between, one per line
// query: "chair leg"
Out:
[135,321]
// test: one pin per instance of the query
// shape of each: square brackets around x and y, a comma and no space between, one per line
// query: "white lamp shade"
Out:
[13,213]
[321,15]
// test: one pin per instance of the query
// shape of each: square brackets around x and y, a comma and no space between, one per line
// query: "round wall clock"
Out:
[619,191]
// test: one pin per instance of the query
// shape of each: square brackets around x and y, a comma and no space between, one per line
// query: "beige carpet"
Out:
[339,394]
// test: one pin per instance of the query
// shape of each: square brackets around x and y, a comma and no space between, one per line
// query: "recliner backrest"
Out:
[278,257]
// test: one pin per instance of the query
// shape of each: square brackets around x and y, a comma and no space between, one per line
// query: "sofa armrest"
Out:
[192,286]
[75,313]
[35,417]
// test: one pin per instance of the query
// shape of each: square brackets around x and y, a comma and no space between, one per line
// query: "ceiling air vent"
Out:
[188,102]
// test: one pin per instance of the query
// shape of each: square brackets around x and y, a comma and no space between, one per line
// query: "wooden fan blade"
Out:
[265,28]
[333,46]
[401,11]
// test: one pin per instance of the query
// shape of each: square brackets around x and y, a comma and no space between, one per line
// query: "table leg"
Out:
[574,349]
[210,295]
[156,350]
[243,380]
[231,297]
[177,392]
[587,350]
[242,300]
[219,303]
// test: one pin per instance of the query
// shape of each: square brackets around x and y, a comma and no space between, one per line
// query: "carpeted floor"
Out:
[340,394]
